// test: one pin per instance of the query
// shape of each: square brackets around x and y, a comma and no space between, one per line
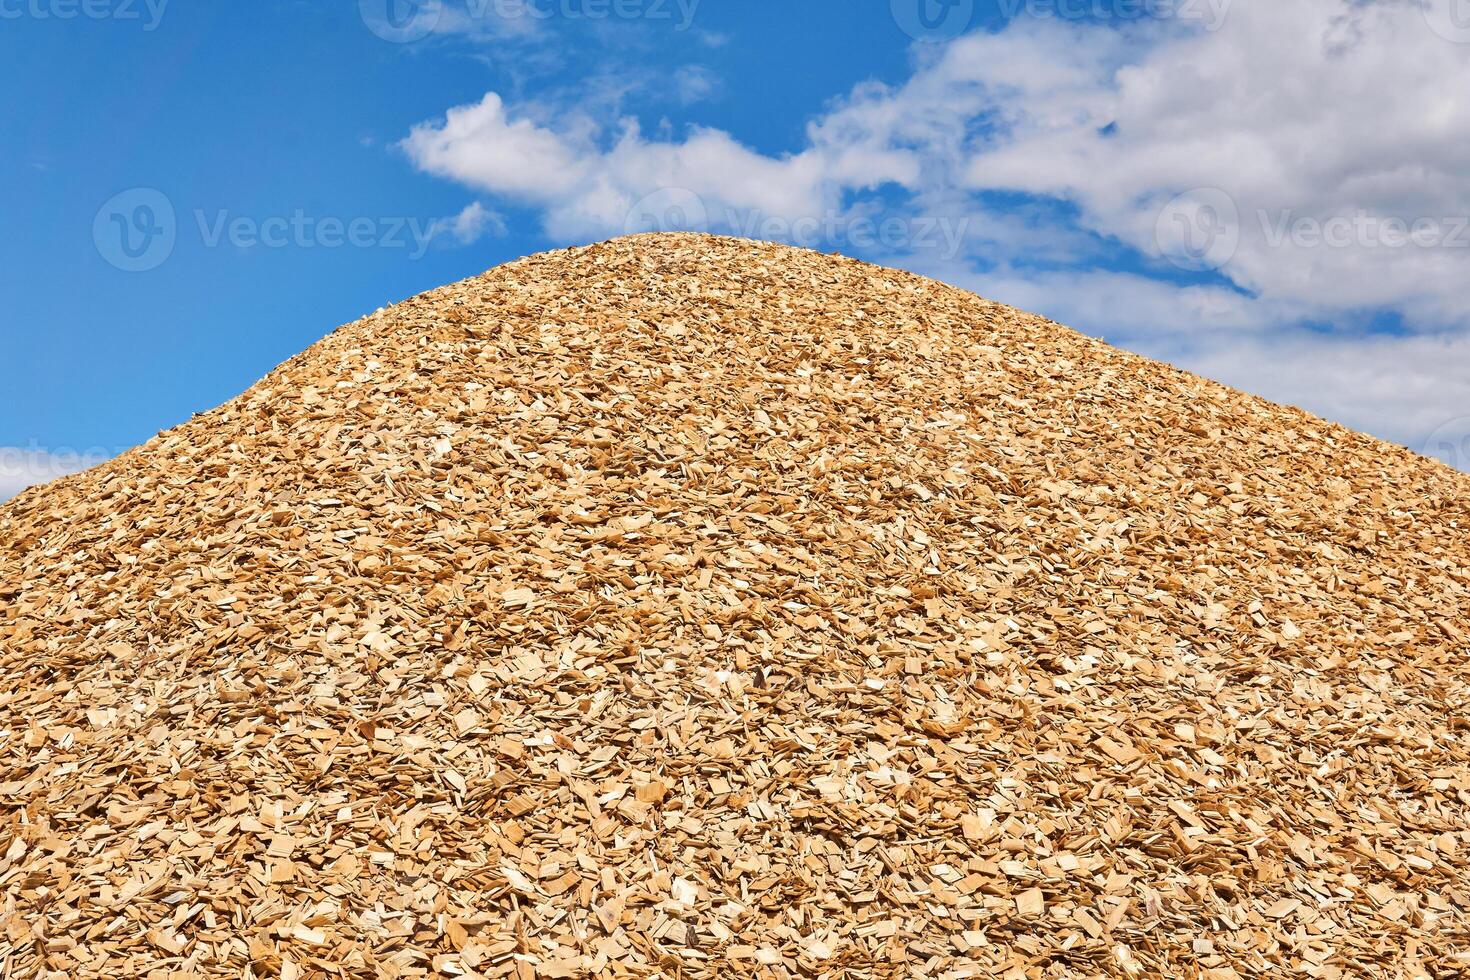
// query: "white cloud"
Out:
[470,225]
[695,83]
[482,146]
[1301,112]
[588,180]
[22,468]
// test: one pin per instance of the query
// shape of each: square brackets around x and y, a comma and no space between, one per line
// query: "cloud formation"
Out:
[587,181]
[469,226]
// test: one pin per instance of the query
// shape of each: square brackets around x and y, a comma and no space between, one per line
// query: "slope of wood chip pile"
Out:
[689,607]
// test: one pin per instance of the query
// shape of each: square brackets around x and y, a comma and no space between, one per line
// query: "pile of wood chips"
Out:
[690,607]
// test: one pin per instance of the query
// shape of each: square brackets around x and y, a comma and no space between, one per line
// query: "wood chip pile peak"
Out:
[683,606]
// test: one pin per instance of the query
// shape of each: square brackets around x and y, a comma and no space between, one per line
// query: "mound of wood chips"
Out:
[690,607]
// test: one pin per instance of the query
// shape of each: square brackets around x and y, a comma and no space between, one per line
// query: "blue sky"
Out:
[195,192]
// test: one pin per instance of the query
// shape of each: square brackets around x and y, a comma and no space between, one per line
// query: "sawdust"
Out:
[689,607]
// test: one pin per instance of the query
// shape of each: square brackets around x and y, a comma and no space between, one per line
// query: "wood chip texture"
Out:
[683,606]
